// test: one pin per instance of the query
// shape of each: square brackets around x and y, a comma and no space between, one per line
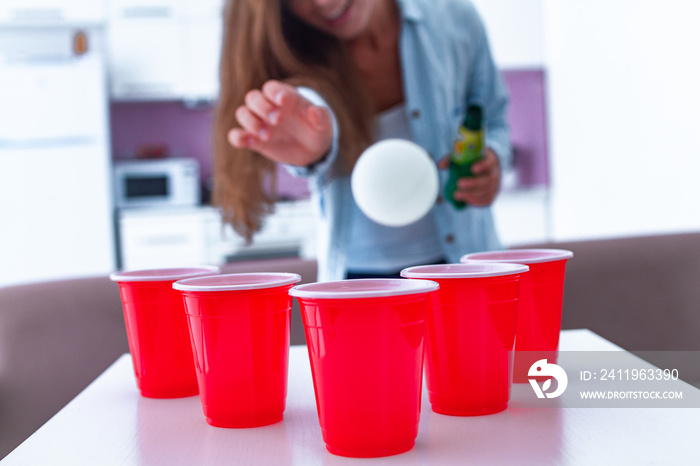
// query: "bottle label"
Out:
[467,147]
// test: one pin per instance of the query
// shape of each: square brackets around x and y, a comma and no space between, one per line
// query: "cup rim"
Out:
[520,256]
[163,274]
[476,269]
[363,288]
[237,281]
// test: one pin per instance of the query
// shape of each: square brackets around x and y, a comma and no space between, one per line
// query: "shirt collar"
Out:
[410,11]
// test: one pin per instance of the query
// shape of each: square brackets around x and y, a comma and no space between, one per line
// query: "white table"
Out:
[110,423]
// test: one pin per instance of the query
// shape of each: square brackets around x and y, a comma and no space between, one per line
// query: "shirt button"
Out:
[439,200]
[449,239]
[415,114]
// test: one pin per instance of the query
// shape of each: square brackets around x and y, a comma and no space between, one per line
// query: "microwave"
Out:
[169,182]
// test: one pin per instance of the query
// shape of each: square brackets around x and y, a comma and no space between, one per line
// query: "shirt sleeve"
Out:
[320,169]
[489,90]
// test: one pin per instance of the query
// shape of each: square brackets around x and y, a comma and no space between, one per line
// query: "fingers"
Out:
[242,139]
[252,123]
[238,138]
[260,106]
[261,111]
[318,117]
[279,123]
[295,110]
[481,188]
[487,164]
[280,93]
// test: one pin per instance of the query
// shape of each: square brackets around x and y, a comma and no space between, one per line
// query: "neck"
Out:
[382,26]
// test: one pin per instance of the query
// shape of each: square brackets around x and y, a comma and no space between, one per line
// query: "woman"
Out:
[311,83]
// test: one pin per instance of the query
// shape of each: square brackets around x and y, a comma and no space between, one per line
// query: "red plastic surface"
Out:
[240,339]
[367,359]
[469,347]
[539,316]
[159,340]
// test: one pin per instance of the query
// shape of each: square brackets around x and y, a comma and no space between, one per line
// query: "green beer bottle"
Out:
[467,150]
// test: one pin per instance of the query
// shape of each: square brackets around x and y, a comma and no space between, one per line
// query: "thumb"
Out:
[318,117]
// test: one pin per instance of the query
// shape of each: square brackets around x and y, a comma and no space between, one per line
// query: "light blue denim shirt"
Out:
[446,64]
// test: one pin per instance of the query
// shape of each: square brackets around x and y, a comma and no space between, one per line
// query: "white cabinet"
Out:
[56,209]
[49,11]
[169,49]
[144,49]
[164,49]
[162,239]
[202,35]
[192,236]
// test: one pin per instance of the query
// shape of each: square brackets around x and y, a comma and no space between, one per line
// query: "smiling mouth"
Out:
[339,12]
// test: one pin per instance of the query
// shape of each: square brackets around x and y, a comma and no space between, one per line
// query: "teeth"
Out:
[338,13]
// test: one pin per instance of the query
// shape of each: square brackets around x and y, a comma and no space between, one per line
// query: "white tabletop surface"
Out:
[110,423]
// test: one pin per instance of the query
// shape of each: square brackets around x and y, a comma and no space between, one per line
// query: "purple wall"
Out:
[528,124]
[186,132]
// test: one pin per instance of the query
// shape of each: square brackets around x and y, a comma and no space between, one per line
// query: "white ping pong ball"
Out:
[395,182]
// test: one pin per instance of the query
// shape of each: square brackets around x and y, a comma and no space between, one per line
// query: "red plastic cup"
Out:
[471,333]
[541,299]
[239,327]
[156,328]
[365,341]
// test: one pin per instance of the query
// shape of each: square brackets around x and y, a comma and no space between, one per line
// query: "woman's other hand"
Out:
[481,189]
[277,122]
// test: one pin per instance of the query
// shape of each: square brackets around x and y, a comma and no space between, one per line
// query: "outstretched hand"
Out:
[277,122]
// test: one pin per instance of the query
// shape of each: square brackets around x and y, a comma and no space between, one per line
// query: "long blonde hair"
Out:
[262,41]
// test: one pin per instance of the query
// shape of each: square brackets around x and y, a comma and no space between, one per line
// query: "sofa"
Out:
[641,293]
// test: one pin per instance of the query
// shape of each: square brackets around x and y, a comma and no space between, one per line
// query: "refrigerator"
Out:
[56,214]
